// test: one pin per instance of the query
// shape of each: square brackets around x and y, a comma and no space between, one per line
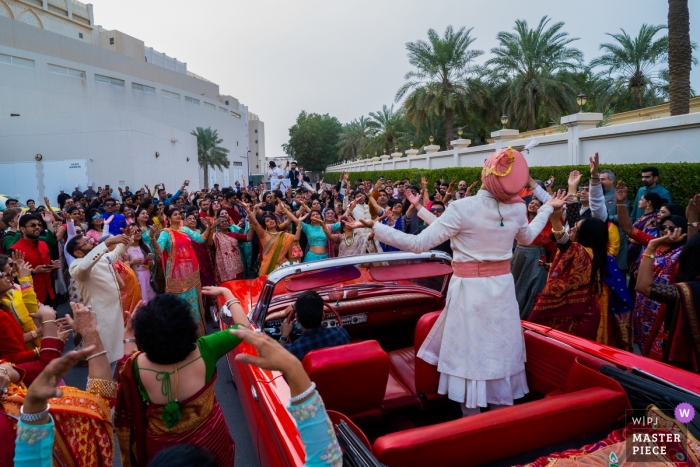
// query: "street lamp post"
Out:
[504,121]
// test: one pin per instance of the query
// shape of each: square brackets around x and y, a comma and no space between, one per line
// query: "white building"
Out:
[79,103]
[256,142]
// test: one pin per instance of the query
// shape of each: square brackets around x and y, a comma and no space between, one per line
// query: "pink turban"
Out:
[505,174]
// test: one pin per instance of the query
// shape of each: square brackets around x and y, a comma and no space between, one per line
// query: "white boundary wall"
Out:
[670,139]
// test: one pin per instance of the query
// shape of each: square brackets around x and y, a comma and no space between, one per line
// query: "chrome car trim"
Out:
[664,381]
[280,274]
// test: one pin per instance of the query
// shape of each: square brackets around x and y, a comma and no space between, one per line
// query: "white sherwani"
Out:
[477,342]
[98,285]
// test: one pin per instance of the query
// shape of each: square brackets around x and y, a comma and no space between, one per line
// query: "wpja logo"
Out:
[655,437]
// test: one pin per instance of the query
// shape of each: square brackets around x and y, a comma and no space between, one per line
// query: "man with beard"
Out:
[650,180]
[36,253]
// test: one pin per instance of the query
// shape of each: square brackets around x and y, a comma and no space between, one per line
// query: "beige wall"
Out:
[122,44]
[66,17]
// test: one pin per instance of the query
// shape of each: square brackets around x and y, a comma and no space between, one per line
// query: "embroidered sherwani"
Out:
[477,342]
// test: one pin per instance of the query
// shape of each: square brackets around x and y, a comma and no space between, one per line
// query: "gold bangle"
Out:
[36,353]
[95,355]
[559,232]
[649,256]
[48,321]
[102,387]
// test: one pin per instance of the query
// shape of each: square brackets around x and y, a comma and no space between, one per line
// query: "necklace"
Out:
[349,242]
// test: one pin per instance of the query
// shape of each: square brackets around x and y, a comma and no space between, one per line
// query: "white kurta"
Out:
[477,342]
[97,282]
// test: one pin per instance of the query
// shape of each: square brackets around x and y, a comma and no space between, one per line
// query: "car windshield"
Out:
[347,281]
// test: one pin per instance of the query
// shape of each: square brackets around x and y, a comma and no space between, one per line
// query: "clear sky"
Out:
[345,58]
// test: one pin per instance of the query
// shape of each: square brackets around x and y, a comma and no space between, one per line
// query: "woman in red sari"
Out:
[166,392]
[569,301]
[229,265]
[649,314]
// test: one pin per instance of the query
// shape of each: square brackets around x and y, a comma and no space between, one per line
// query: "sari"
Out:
[645,222]
[131,292]
[182,269]
[228,258]
[246,250]
[358,244]
[649,314]
[616,306]
[142,433]
[275,251]
[568,302]
[83,427]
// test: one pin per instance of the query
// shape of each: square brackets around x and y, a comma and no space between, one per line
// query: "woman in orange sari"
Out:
[276,245]
[80,420]
[181,265]
[131,291]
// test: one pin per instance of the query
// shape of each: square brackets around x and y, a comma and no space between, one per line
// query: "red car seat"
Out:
[351,379]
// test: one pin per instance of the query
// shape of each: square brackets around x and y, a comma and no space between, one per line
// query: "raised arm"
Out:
[623,217]
[692,212]
[596,197]
[254,223]
[529,231]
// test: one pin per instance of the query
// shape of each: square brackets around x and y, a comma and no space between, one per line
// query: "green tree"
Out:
[385,127]
[634,61]
[680,56]
[313,140]
[209,153]
[352,138]
[439,84]
[529,64]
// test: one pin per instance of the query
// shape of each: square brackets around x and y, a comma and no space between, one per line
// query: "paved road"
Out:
[225,393]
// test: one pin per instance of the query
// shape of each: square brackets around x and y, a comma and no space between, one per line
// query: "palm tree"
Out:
[385,127]
[351,138]
[634,60]
[209,153]
[680,56]
[528,63]
[439,83]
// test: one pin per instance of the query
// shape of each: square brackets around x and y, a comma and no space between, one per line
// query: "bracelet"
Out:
[303,395]
[46,349]
[33,417]
[48,321]
[96,355]
[36,353]
[129,340]
[102,387]
[595,178]
[559,232]
[33,334]
[286,339]
[232,301]
[649,256]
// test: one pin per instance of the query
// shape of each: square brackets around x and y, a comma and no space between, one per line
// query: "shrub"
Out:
[682,179]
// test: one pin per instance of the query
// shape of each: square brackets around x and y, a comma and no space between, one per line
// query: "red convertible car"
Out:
[579,390]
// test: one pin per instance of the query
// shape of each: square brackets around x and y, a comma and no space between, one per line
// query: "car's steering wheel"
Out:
[296,327]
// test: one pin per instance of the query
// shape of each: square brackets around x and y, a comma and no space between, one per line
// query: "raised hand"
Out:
[574,178]
[667,238]
[413,198]
[693,210]
[47,203]
[558,199]
[594,162]
[621,192]
[423,182]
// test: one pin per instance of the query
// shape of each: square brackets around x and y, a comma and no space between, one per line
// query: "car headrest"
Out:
[350,378]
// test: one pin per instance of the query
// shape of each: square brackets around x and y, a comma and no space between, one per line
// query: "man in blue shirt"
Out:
[650,179]
[118,222]
[309,311]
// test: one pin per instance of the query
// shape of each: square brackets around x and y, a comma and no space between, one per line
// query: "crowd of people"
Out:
[142,272]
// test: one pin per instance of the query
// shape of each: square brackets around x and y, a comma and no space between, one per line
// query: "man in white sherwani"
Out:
[98,284]
[477,342]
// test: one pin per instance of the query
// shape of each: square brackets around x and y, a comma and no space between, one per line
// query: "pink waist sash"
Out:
[481,269]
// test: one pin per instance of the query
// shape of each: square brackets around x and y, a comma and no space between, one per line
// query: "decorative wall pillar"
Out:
[458,145]
[576,124]
[503,136]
